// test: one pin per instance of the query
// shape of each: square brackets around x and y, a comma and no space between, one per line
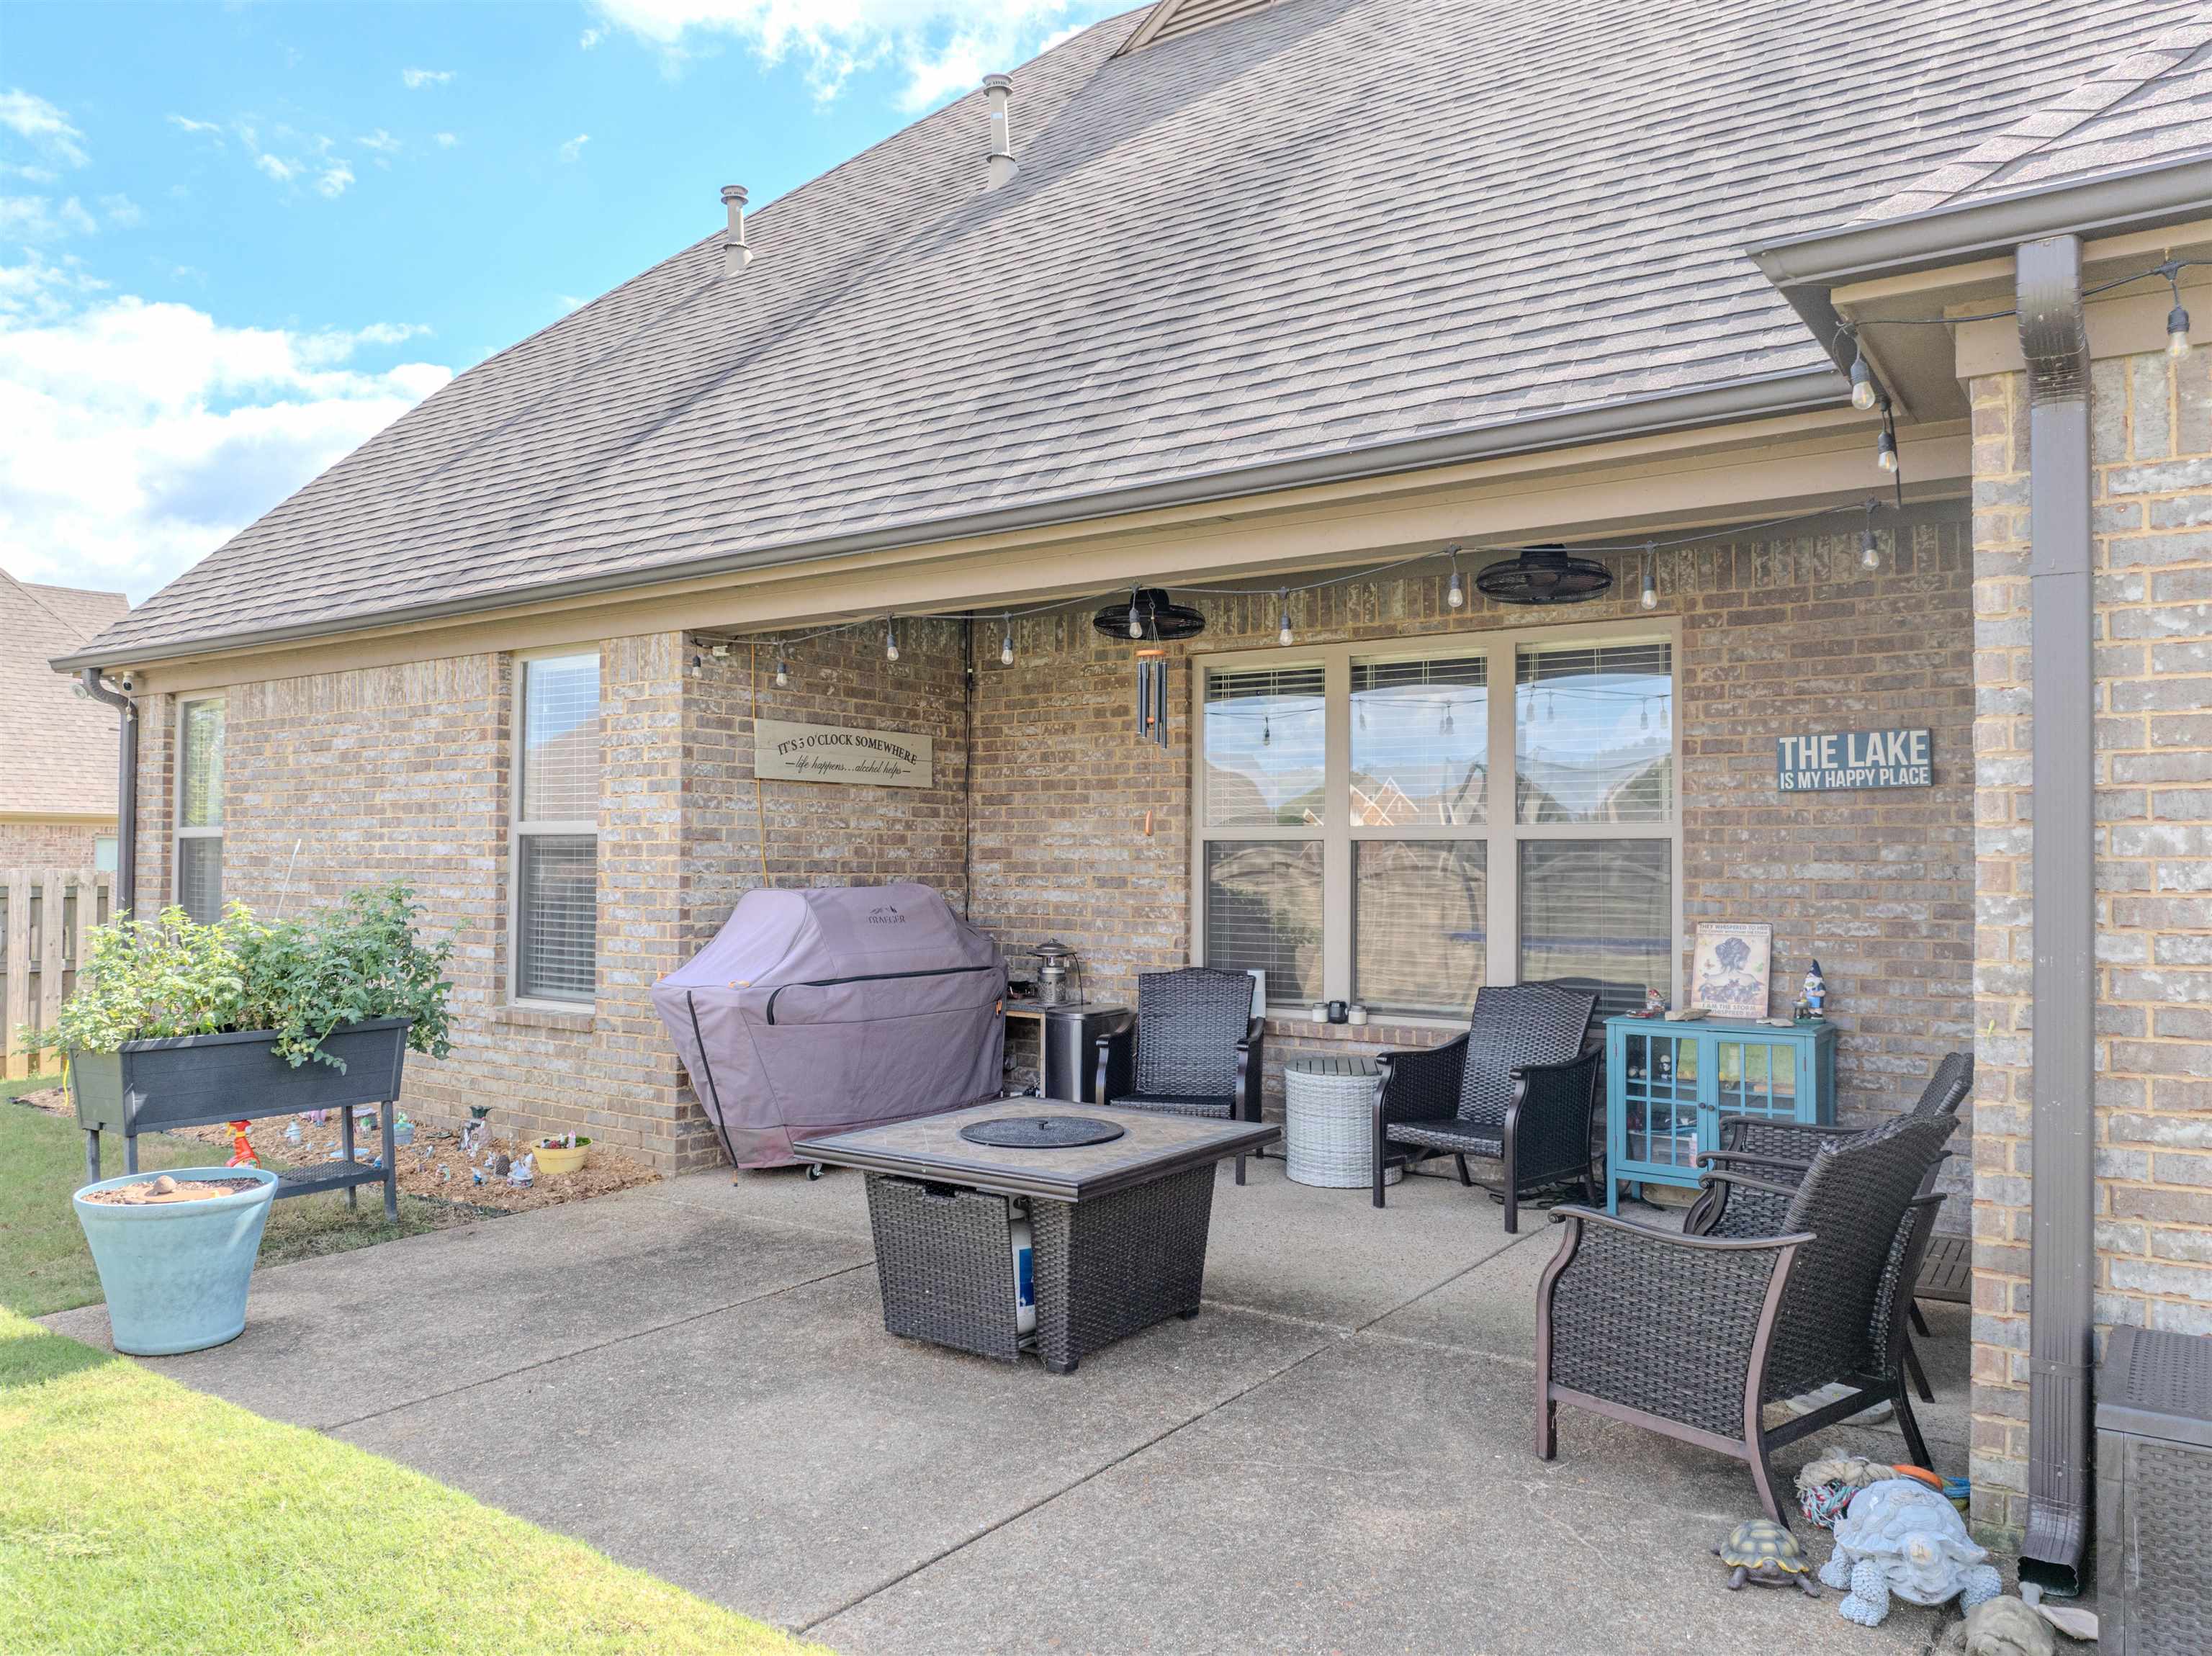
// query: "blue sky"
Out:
[235,239]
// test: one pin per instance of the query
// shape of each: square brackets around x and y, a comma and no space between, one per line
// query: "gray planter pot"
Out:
[176,1276]
[189,1081]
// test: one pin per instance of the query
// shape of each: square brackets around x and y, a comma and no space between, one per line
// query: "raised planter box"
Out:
[191,1081]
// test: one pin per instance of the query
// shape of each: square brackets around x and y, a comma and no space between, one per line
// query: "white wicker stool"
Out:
[1328,1122]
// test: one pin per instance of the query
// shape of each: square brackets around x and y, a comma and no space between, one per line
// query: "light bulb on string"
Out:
[891,641]
[1869,547]
[2177,319]
[1643,714]
[1885,449]
[1006,644]
[698,665]
[1862,389]
[1445,727]
[1455,595]
[1283,635]
[782,675]
[1650,598]
[1136,621]
[1267,729]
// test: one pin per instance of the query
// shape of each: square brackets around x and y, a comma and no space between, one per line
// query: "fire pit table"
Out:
[1115,1229]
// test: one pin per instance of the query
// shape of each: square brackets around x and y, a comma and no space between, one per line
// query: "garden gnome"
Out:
[1901,1536]
[1816,990]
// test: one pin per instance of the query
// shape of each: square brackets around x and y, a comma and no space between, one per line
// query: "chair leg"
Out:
[1919,1375]
[1379,1158]
[1240,1169]
[1547,1429]
[1909,1423]
[1919,1323]
[1512,1212]
[1762,1475]
[1460,1161]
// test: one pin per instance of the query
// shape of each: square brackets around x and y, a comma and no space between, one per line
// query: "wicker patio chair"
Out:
[1192,1048]
[1694,1336]
[1518,1088]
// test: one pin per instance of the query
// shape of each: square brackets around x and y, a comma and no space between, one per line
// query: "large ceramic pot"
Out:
[175,1273]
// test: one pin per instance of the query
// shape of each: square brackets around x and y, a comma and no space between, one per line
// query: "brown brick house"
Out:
[57,747]
[1307,313]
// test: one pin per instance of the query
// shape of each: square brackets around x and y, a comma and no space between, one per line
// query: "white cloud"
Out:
[122,212]
[277,167]
[40,218]
[381,141]
[148,434]
[212,129]
[45,128]
[944,47]
[589,38]
[416,79]
[447,140]
[334,178]
[574,147]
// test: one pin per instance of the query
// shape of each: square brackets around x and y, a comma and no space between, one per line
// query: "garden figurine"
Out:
[1901,1536]
[1759,1550]
[518,1172]
[1816,992]
[2001,1627]
[1655,1004]
[242,1154]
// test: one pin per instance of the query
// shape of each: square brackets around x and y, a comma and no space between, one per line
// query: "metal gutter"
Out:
[2062,1343]
[127,789]
[1796,392]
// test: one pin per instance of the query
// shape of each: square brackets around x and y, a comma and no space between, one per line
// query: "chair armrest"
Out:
[1116,1057]
[1421,1083]
[1547,1122]
[1251,1069]
[1762,1135]
[1737,1206]
[1657,1321]
[1718,1159]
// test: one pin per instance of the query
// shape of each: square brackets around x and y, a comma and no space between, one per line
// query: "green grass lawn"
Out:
[44,1263]
[136,1515]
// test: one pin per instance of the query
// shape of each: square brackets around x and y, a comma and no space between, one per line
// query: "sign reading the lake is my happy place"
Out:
[1855,759]
[832,753]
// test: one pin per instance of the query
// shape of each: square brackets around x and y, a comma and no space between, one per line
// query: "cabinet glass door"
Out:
[1756,1078]
[1660,1084]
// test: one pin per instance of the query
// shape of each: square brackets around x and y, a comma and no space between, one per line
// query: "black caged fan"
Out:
[1149,617]
[1545,574]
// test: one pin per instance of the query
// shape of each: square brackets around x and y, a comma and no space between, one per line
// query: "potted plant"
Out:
[173,1024]
[562,1154]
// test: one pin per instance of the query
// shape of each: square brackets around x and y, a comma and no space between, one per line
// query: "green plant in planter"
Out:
[145,980]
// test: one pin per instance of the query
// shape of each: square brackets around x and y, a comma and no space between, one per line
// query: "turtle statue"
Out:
[1759,1550]
[2001,1627]
[1901,1536]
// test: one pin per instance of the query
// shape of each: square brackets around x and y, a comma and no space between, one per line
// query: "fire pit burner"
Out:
[1041,1133]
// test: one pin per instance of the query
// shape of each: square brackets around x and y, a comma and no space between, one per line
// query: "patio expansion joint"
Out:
[1343,1333]
[597,1345]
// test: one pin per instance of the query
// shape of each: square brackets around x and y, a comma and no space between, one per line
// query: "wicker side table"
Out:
[1328,1123]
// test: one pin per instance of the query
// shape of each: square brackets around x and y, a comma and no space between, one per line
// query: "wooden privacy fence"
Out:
[43,916]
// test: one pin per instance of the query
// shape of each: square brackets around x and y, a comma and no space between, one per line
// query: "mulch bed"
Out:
[433,1166]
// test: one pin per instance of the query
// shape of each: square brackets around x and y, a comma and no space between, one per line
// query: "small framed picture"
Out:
[1730,968]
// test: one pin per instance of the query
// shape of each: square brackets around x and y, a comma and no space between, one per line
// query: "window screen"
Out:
[200,810]
[556,830]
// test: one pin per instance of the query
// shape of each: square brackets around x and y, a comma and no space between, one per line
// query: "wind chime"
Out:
[1150,619]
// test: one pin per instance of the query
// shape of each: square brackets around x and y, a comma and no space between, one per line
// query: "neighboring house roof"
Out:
[2153,106]
[1321,228]
[57,754]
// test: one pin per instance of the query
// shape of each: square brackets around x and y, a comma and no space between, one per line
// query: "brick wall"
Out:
[1779,635]
[2152,455]
[50,845]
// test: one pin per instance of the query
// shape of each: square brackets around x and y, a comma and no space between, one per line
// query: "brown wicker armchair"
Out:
[1693,1335]
[1519,1088]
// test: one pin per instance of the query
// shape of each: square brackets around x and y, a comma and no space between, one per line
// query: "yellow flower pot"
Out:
[556,1158]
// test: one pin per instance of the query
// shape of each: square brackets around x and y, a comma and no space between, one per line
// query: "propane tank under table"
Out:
[1119,1227]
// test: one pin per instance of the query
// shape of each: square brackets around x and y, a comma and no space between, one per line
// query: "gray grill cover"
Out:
[835,1007]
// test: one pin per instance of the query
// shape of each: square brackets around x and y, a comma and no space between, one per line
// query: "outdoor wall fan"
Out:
[1159,618]
[1545,574]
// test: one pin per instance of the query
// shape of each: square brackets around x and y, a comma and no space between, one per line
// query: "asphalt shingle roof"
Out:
[57,749]
[1321,225]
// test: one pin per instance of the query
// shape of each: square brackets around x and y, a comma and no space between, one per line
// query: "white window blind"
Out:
[1593,734]
[557,829]
[198,892]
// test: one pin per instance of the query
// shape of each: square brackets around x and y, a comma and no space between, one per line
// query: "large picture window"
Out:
[198,864]
[557,816]
[1373,824]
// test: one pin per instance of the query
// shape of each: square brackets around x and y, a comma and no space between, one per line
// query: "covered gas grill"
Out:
[825,1010]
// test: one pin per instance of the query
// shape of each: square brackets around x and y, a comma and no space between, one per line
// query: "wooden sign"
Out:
[1855,759]
[832,753]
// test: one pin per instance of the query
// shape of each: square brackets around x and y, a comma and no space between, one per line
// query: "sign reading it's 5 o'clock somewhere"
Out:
[832,753]
[1855,759]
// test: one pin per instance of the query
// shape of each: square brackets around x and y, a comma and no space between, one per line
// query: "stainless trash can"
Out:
[2153,1492]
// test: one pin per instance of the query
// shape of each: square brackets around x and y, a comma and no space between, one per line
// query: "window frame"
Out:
[520,828]
[179,832]
[1500,830]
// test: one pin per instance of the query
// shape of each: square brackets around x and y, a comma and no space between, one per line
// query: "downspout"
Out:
[2054,340]
[126,789]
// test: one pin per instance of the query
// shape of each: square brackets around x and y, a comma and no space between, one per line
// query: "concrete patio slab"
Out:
[1377,1496]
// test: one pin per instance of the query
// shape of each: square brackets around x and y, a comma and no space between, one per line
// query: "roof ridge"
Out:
[69,627]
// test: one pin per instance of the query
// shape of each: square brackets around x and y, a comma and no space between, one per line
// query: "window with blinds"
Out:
[1373,825]
[198,860]
[557,828]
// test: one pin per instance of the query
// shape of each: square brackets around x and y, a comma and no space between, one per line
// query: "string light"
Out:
[1884,447]
[782,675]
[1136,621]
[1006,644]
[2177,319]
[1650,598]
[1870,548]
[1863,390]
[1456,596]
[1283,633]
[698,664]
[891,641]
[1267,729]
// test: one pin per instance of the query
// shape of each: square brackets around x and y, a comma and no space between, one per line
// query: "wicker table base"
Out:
[1328,1123]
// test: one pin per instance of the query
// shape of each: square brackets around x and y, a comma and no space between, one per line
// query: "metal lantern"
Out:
[1545,574]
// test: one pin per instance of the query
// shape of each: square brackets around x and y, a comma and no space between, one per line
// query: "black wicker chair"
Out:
[1192,1048]
[1518,1088]
[1693,1335]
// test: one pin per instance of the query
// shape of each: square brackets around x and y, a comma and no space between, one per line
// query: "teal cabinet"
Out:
[1668,1085]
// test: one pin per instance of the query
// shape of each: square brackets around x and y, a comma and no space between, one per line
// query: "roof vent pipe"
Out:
[735,254]
[1000,90]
